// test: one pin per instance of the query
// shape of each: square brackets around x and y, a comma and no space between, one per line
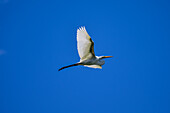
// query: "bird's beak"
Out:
[108,56]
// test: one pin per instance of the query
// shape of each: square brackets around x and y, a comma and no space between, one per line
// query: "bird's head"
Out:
[102,57]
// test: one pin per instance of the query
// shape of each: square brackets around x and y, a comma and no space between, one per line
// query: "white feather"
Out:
[94,66]
[83,44]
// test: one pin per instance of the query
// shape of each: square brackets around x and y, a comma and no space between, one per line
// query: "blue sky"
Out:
[38,37]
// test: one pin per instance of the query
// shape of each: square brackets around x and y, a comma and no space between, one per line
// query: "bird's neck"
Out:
[99,57]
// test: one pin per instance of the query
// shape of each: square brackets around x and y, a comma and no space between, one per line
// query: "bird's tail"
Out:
[76,64]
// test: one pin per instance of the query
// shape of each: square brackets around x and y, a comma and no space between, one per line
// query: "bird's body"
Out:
[85,47]
[93,61]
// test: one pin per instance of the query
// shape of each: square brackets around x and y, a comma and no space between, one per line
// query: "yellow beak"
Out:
[108,56]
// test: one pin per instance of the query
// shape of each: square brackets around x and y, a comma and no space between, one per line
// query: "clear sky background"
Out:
[37,37]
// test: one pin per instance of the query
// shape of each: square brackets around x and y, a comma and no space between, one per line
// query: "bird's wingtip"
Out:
[81,28]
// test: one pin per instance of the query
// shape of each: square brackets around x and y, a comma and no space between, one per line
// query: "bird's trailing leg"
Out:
[69,66]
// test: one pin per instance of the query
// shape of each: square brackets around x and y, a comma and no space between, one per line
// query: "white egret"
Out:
[85,47]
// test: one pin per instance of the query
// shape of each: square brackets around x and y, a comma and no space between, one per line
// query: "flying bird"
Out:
[85,47]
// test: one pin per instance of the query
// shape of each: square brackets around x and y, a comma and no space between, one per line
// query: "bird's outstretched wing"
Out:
[94,66]
[85,45]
